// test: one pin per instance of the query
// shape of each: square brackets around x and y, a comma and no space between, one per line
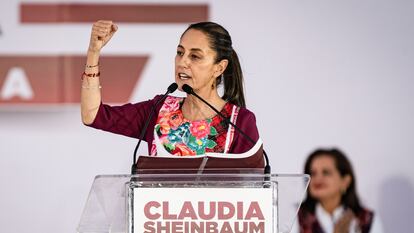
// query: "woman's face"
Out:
[195,62]
[326,181]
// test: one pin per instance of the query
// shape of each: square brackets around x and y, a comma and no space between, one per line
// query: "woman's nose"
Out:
[183,62]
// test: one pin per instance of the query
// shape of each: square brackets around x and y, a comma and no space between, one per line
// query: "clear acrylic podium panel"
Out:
[106,209]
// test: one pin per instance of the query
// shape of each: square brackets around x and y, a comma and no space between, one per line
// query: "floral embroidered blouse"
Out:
[178,135]
[182,137]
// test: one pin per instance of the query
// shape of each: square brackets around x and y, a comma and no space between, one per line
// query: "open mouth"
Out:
[183,76]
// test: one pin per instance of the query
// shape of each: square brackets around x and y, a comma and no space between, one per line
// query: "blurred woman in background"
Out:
[332,204]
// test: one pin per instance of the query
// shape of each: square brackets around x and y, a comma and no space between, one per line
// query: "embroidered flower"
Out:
[182,150]
[153,148]
[180,134]
[170,120]
[181,137]
[200,129]
[175,119]
[200,145]
[163,128]
[171,104]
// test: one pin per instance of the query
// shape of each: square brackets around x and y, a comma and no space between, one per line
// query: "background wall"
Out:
[317,73]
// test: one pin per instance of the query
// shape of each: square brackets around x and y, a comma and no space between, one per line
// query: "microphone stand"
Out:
[170,89]
[189,90]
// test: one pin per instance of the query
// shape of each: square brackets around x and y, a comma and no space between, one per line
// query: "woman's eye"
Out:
[326,172]
[194,57]
[179,53]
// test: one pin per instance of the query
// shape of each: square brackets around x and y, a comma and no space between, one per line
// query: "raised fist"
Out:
[102,32]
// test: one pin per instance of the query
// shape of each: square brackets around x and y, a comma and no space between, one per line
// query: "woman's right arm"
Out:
[102,32]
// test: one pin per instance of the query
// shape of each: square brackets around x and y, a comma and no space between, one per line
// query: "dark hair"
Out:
[220,42]
[349,197]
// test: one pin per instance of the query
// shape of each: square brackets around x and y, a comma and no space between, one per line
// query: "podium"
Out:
[185,200]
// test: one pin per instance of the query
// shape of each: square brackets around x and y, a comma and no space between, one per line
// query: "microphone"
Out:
[189,90]
[170,90]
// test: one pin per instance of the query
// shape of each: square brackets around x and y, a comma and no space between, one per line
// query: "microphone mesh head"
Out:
[172,87]
[187,89]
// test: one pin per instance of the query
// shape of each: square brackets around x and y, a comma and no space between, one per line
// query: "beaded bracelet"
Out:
[91,75]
